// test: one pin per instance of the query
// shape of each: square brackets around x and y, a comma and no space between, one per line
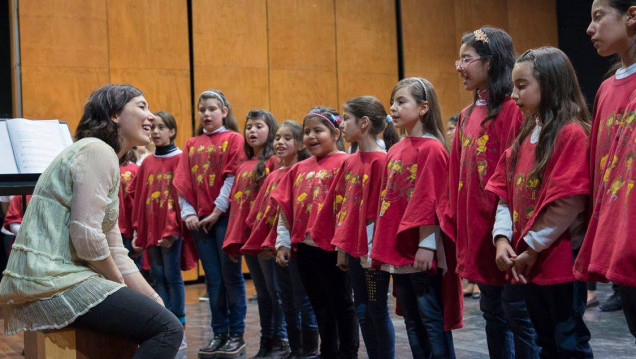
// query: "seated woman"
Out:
[68,265]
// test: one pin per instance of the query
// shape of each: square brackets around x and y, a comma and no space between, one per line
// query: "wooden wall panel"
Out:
[430,48]
[64,56]
[230,52]
[366,48]
[153,55]
[539,29]
[302,56]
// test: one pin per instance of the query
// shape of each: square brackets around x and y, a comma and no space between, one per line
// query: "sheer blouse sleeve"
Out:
[94,171]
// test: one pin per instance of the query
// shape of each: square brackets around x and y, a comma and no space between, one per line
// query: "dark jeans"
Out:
[419,295]
[330,294]
[509,331]
[557,314]
[628,299]
[134,317]
[270,311]
[224,279]
[370,299]
[165,265]
[299,315]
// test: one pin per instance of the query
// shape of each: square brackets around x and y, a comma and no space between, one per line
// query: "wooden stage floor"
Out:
[610,336]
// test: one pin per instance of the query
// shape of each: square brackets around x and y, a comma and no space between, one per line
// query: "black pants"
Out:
[132,316]
[628,299]
[331,297]
[556,312]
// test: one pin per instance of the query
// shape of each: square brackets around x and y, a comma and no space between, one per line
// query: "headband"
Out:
[334,120]
[423,86]
[214,94]
[480,35]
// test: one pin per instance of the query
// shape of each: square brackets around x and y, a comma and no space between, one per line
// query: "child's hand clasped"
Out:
[523,265]
[505,254]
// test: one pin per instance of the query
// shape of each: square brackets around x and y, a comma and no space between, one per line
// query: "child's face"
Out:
[160,132]
[527,92]
[405,110]
[256,132]
[285,145]
[211,114]
[450,131]
[472,69]
[318,138]
[350,127]
[135,121]
[608,29]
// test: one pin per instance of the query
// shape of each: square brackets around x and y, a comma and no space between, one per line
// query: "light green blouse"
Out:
[71,218]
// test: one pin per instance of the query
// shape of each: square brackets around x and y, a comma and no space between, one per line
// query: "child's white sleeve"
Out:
[370,228]
[554,221]
[283,238]
[503,222]
[222,202]
[186,208]
[429,237]
[14,228]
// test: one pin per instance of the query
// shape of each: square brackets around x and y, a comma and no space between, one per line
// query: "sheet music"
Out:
[36,143]
[7,161]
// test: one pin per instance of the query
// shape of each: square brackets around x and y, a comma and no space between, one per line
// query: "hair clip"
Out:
[480,35]
[388,119]
[335,119]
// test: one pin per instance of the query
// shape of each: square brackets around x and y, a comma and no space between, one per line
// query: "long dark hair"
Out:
[229,121]
[498,49]
[104,103]
[372,108]
[422,90]
[561,102]
[333,128]
[268,148]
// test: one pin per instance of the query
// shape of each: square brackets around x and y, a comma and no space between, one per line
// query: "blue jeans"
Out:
[165,266]
[370,297]
[270,311]
[419,295]
[509,331]
[224,279]
[299,314]
[557,314]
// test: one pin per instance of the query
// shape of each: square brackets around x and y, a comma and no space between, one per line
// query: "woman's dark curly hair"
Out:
[102,105]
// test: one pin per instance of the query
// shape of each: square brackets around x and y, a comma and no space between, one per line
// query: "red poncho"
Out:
[127,175]
[565,175]
[205,162]
[352,200]
[14,212]
[242,199]
[301,194]
[263,216]
[413,194]
[156,212]
[471,209]
[608,252]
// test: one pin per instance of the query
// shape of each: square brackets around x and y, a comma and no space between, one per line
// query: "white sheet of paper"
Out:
[7,161]
[36,143]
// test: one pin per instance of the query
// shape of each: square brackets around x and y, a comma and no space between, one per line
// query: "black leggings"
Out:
[134,317]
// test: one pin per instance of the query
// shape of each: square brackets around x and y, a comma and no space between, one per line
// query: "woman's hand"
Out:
[192,222]
[166,242]
[505,254]
[282,256]
[424,259]
[523,265]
